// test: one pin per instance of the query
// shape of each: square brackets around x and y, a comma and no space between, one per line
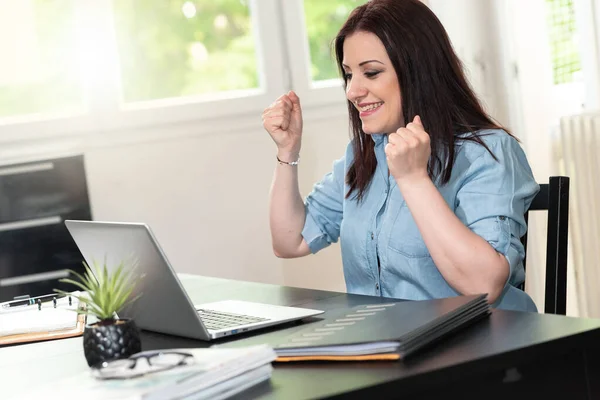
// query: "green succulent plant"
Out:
[106,293]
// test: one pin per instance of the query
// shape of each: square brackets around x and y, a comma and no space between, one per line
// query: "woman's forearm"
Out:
[286,211]
[467,261]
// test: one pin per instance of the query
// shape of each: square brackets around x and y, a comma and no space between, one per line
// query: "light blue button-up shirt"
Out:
[383,252]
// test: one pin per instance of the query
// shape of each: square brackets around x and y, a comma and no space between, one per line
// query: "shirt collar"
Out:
[379,138]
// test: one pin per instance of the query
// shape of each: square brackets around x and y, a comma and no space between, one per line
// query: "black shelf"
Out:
[35,199]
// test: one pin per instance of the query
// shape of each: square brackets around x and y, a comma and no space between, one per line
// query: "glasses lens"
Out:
[167,360]
[141,365]
[117,364]
[116,369]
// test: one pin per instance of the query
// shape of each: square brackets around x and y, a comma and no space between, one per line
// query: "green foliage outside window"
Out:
[566,59]
[178,48]
[323,21]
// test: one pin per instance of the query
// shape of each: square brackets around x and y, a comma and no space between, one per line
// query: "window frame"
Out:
[313,94]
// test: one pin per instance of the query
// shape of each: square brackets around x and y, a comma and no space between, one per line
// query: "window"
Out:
[181,48]
[566,60]
[311,26]
[323,21]
[72,67]
[39,69]
[569,89]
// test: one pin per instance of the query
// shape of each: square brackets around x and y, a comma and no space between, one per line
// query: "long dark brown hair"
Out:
[432,83]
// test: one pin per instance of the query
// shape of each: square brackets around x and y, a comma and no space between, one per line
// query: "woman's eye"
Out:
[372,74]
[347,77]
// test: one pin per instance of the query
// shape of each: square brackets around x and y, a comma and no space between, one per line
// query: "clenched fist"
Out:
[408,151]
[283,121]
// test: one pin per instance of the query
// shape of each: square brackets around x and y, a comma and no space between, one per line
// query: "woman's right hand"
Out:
[283,121]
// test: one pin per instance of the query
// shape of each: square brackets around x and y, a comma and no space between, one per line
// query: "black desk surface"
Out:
[506,356]
[508,348]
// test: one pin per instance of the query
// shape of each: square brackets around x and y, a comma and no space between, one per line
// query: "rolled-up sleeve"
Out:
[494,197]
[324,209]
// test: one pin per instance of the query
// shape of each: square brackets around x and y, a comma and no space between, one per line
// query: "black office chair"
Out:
[554,198]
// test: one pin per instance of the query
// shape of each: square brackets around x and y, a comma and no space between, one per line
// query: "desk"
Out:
[509,355]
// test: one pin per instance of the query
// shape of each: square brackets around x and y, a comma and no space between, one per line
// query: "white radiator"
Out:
[578,156]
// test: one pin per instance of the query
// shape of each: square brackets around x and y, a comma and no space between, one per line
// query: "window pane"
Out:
[566,60]
[39,67]
[180,48]
[323,21]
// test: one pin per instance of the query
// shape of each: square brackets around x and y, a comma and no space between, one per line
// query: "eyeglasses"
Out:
[155,361]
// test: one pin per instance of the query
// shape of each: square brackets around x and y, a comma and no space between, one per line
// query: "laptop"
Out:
[164,305]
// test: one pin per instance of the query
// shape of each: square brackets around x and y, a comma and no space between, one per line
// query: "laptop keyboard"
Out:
[215,320]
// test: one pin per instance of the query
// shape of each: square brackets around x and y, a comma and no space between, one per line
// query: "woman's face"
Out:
[372,84]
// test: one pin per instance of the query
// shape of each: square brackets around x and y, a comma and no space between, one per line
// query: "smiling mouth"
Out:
[370,107]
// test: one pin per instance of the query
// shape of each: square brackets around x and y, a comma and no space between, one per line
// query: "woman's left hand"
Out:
[408,151]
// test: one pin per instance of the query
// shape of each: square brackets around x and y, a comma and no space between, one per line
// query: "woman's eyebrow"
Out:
[369,61]
[364,62]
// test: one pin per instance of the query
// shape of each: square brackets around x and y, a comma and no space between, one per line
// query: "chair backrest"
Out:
[554,198]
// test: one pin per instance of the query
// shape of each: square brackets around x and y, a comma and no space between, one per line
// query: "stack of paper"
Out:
[389,331]
[217,373]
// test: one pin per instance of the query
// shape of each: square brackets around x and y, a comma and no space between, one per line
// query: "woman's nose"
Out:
[355,91]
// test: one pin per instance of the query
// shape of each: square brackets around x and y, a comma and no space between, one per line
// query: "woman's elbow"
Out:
[294,251]
[284,252]
[280,254]
[494,293]
[498,281]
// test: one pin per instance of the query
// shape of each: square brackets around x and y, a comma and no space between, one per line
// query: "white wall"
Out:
[533,95]
[473,29]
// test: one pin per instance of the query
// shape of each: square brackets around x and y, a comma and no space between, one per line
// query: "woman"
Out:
[429,198]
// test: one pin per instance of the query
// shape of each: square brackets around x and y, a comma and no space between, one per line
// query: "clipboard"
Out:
[46,322]
[47,335]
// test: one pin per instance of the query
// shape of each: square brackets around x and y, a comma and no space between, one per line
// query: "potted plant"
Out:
[105,294]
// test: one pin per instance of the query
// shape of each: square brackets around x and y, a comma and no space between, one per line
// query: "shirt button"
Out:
[377,286]
[372,236]
[502,217]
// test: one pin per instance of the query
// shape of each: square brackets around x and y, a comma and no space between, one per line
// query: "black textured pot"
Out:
[110,342]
